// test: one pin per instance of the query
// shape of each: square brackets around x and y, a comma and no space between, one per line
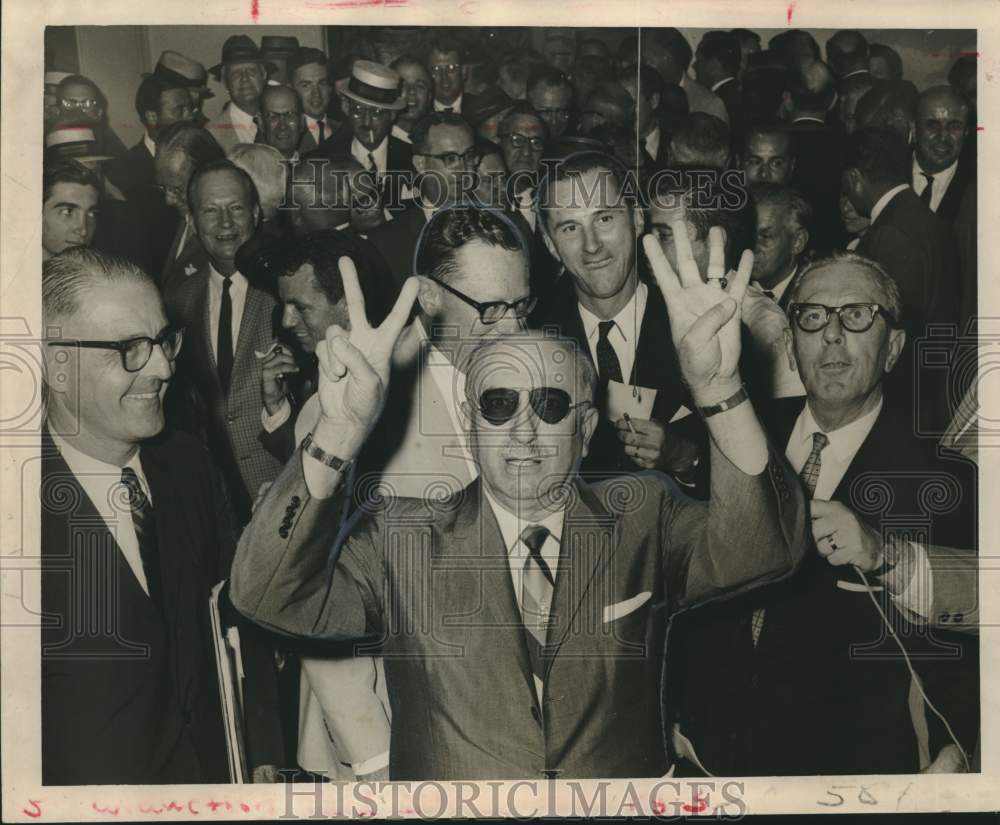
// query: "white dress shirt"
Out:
[652,141]
[147,141]
[312,124]
[511,526]
[455,105]
[401,133]
[883,202]
[942,180]
[835,458]
[102,483]
[624,335]
[780,288]
[238,297]
[380,153]
[243,124]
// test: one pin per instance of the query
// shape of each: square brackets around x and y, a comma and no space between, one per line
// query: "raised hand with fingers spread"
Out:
[354,368]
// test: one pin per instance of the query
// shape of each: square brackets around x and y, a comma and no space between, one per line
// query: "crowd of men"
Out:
[561,344]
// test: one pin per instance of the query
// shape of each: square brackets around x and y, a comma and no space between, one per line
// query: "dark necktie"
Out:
[144,523]
[322,131]
[371,163]
[928,192]
[449,110]
[810,476]
[770,294]
[609,368]
[537,584]
[224,339]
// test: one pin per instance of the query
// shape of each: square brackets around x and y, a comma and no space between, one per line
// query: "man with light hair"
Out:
[268,171]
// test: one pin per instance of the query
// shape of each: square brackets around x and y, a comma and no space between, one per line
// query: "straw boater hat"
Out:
[72,142]
[373,84]
[239,49]
[176,69]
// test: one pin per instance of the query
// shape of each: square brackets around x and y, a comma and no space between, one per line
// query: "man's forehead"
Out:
[311,71]
[224,180]
[79,90]
[593,189]
[79,194]
[116,310]
[448,136]
[280,99]
[769,144]
[242,67]
[438,56]
[525,364]
[942,106]
[527,124]
[843,278]
[412,72]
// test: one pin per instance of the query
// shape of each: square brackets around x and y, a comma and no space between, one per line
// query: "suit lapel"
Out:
[255,313]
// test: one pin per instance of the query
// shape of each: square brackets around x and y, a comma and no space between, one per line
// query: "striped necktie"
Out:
[144,523]
[537,584]
[809,476]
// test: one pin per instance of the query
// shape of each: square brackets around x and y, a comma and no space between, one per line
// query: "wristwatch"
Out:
[311,448]
[734,400]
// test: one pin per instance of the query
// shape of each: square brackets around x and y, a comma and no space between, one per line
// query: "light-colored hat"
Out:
[72,142]
[374,85]
[175,68]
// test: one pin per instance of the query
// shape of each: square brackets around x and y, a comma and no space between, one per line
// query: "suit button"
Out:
[283,532]
[536,715]
[296,501]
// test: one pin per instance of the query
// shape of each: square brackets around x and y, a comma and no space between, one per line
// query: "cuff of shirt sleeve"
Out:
[376,763]
[271,422]
[918,594]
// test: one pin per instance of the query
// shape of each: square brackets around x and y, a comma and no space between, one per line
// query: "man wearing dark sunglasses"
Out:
[522,619]
[135,532]
[832,698]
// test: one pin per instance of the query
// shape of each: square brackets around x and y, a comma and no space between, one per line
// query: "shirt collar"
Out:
[237,279]
[511,525]
[238,116]
[808,119]
[941,179]
[778,290]
[722,82]
[883,202]
[400,133]
[627,319]
[86,466]
[856,71]
[845,441]
[380,153]
[455,105]
[149,144]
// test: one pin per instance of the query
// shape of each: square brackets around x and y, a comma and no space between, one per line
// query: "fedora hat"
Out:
[478,108]
[239,49]
[374,84]
[76,142]
[279,47]
[176,69]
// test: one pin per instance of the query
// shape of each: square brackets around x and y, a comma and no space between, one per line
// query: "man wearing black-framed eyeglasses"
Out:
[135,529]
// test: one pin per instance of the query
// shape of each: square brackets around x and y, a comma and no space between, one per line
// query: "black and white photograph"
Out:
[439,409]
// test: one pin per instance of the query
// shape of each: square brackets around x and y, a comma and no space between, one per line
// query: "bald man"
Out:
[940,171]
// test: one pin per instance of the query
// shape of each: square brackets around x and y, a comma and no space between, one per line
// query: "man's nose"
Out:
[158,366]
[591,241]
[833,332]
[524,428]
[227,218]
[288,317]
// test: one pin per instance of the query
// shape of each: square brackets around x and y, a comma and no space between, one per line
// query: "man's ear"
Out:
[419,162]
[654,101]
[800,240]
[428,295]
[790,348]
[897,338]
[588,425]
[256,216]
[639,219]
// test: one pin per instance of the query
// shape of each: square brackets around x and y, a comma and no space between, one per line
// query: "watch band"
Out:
[311,448]
[734,400]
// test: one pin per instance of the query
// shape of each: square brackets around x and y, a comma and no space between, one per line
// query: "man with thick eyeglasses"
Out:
[135,532]
[522,619]
[804,677]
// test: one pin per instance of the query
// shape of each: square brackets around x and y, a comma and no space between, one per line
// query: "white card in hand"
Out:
[624,398]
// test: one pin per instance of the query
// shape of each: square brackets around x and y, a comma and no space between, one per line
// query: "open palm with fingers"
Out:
[704,315]
[355,365]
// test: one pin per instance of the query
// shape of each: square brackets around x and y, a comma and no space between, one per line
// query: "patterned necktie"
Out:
[144,523]
[928,192]
[224,340]
[809,476]
[537,584]
[608,366]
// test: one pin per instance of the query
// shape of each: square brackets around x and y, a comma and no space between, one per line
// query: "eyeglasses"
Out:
[135,352]
[358,109]
[291,118]
[469,156]
[500,404]
[519,141]
[492,311]
[78,105]
[852,317]
[445,68]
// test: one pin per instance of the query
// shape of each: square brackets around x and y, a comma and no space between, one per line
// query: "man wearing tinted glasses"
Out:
[135,533]
[825,706]
[523,628]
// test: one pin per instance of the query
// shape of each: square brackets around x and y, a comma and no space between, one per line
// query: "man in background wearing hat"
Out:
[373,99]
[485,111]
[309,76]
[276,52]
[175,69]
[244,73]
[158,104]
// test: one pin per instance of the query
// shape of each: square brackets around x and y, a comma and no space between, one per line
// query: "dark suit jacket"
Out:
[459,680]
[399,160]
[132,170]
[965,175]
[818,169]
[132,696]
[227,423]
[917,249]
[799,703]
[655,366]
[397,240]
